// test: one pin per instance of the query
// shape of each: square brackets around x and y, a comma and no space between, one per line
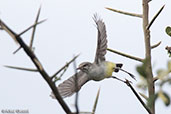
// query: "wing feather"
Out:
[101,40]
[68,87]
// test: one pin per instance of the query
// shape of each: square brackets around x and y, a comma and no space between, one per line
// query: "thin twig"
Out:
[125,55]
[58,78]
[96,101]
[35,24]
[154,18]
[17,50]
[155,79]
[66,65]
[34,28]
[135,93]
[126,13]
[155,45]
[21,68]
[114,77]
[37,63]
[138,97]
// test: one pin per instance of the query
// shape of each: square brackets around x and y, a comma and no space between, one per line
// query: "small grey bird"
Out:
[98,70]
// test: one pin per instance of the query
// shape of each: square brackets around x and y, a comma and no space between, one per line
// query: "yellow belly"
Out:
[109,69]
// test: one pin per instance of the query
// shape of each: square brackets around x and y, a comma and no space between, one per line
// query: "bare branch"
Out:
[21,68]
[138,97]
[96,101]
[135,93]
[9,31]
[125,13]
[125,55]
[66,65]
[34,28]
[37,63]
[154,18]
[155,45]
[148,69]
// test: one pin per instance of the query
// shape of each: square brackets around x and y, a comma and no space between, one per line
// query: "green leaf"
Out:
[164,97]
[144,96]
[169,81]
[165,81]
[141,69]
[142,84]
[168,30]
[162,73]
[152,99]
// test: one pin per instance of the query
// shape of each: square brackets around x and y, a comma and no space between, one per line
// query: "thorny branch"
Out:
[37,63]
[128,83]
[138,97]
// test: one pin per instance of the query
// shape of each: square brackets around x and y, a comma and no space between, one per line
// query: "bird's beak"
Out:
[78,68]
[118,68]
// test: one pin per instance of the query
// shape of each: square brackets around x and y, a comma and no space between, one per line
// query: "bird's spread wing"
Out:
[101,41]
[68,87]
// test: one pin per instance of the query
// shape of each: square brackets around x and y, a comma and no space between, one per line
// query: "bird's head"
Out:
[85,66]
[119,67]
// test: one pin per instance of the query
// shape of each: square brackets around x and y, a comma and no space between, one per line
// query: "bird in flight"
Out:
[97,71]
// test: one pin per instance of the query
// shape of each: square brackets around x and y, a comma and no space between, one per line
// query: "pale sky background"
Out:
[68,31]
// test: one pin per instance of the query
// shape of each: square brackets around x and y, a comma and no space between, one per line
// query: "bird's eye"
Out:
[85,65]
